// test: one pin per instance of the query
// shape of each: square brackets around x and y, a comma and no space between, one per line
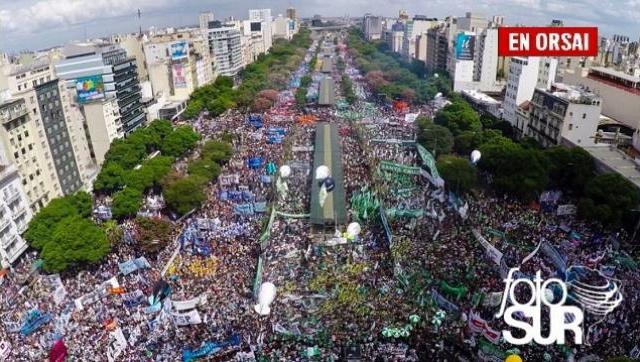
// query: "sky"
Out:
[39,24]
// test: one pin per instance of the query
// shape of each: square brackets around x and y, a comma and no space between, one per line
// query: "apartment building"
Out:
[225,42]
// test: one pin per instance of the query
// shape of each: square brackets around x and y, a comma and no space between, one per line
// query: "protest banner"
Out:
[117,344]
[494,254]
[185,319]
[130,266]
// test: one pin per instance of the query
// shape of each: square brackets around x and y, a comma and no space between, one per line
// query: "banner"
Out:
[567,209]
[189,304]
[494,254]
[244,209]
[443,302]
[58,352]
[399,168]
[99,292]
[428,161]
[132,299]
[556,258]
[492,299]
[293,216]
[209,348]
[393,213]
[5,349]
[179,76]
[179,50]
[229,179]
[89,88]
[185,319]
[33,321]
[117,344]
[59,295]
[130,266]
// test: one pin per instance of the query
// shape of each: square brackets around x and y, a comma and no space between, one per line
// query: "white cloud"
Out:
[45,14]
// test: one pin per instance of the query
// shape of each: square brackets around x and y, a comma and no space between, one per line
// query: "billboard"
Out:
[179,50]
[179,78]
[256,26]
[464,46]
[89,88]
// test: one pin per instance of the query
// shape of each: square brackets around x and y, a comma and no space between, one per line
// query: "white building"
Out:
[566,114]
[15,213]
[413,29]
[225,42]
[524,76]
[104,125]
[372,27]
[204,18]
[264,17]
[473,62]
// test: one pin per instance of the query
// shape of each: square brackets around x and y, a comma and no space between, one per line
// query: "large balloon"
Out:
[353,229]
[285,171]
[329,184]
[475,156]
[265,297]
[322,172]
[513,358]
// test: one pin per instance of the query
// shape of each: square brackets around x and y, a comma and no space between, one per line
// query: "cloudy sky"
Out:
[37,24]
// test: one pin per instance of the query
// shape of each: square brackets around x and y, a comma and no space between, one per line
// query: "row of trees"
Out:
[127,174]
[347,89]
[389,76]
[269,72]
[521,168]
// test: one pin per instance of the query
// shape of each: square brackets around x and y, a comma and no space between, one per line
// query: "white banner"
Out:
[567,209]
[5,349]
[97,294]
[189,304]
[493,253]
[185,319]
[492,299]
[59,294]
[117,344]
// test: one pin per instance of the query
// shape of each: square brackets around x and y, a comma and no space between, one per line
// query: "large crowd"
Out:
[330,299]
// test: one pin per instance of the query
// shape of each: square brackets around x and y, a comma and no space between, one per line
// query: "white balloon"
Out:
[353,229]
[475,156]
[322,172]
[265,297]
[285,171]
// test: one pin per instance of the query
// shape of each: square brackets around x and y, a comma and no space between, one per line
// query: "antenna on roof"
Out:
[139,23]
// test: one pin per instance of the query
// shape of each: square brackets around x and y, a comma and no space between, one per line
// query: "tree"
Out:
[40,227]
[74,242]
[435,137]
[126,203]
[261,105]
[570,168]
[205,168]
[181,140]
[113,231]
[458,117]
[112,177]
[515,170]
[153,234]
[457,172]
[161,127]
[185,194]
[218,151]
[608,200]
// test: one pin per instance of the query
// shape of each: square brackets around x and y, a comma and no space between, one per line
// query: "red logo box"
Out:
[576,41]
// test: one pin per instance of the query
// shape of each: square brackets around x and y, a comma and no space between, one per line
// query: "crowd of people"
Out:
[196,298]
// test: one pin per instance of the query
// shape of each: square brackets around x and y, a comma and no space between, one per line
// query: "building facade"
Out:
[525,75]
[564,112]
[225,42]
[15,213]
[372,27]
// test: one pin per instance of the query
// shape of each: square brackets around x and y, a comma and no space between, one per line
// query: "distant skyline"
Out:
[39,24]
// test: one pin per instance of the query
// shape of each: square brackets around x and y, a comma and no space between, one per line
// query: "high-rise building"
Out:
[396,37]
[262,16]
[15,213]
[473,61]
[418,25]
[25,144]
[523,77]
[204,18]
[372,27]
[564,114]
[52,115]
[438,40]
[225,42]
[291,13]
[112,72]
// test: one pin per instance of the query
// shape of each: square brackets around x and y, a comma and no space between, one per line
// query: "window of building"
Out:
[15,155]
[30,147]
[584,115]
[19,87]
[26,133]
[570,126]
[24,181]
[34,82]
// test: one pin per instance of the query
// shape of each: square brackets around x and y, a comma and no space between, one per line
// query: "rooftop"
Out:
[617,161]
[572,93]
[617,74]
[479,96]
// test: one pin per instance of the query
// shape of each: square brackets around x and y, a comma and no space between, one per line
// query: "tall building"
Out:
[438,40]
[473,61]
[291,13]
[103,125]
[396,37]
[204,18]
[284,27]
[564,114]
[15,213]
[474,23]
[524,76]
[419,25]
[262,16]
[225,42]
[108,71]
[49,100]
[25,144]
[372,27]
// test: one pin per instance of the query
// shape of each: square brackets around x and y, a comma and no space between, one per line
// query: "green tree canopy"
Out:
[74,241]
[608,199]
[458,117]
[126,203]
[180,141]
[185,194]
[435,137]
[205,168]
[458,173]
[570,168]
